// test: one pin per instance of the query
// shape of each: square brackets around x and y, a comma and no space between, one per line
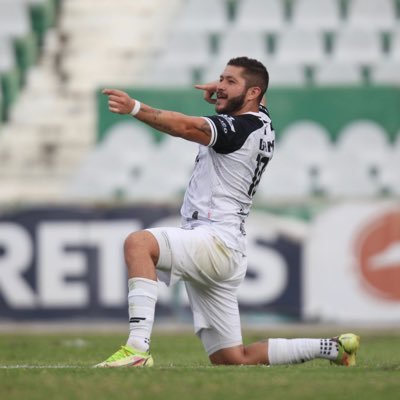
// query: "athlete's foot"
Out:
[348,345]
[127,356]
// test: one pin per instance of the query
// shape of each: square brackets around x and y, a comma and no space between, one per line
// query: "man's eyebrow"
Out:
[228,77]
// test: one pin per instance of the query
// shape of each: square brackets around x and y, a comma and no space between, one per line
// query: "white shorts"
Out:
[212,274]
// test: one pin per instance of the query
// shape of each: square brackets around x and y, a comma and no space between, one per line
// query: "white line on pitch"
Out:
[40,366]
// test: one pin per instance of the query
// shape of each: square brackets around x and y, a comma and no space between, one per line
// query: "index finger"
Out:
[201,87]
[207,86]
[115,92]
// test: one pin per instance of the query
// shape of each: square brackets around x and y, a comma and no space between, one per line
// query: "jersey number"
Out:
[262,162]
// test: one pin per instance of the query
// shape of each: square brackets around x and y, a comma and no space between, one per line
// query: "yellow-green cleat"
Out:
[348,345]
[127,356]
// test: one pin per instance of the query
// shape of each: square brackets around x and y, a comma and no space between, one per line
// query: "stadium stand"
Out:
[237,41]
[271,16]
[104,176]
[386,73]
[207,16]
[371,143]
[288,50]
[378,15]
[367,163]
[284,183]
[316,15]
[357,46]
[190,50]
[338,73]
[308,147]
[52,125]
[284,74]
[55,54]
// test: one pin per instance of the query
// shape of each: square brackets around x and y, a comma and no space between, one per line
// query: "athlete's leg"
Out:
[287,351]
[253,354]
[341,350]
[220,333]
[141,251]
[145,251]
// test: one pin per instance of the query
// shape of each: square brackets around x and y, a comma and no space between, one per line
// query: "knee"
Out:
[215,362]
[141,243]
[233,356]
[133,243]
[226,361]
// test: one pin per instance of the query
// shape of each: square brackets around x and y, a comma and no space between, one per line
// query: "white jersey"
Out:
[227,173]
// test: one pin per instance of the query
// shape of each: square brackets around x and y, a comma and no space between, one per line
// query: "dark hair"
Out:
[254,73]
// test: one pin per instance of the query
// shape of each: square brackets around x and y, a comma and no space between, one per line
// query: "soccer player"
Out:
[208,251]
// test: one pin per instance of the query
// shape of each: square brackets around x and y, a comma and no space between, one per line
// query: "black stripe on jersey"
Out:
[265,110]
[213,132]
[232,132]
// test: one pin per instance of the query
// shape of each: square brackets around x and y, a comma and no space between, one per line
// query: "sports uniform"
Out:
[209,251]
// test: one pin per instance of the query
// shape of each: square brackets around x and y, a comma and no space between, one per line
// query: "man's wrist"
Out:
[136,108]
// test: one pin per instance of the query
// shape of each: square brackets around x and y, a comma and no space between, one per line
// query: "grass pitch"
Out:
[58,366]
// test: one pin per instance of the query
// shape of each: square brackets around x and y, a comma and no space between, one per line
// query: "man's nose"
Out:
[221,85]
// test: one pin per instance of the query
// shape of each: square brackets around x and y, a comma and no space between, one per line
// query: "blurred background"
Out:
[324,234]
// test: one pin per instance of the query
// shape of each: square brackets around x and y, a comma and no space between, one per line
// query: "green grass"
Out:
[182,371]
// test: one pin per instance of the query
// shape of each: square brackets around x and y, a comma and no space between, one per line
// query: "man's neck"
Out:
[249,107]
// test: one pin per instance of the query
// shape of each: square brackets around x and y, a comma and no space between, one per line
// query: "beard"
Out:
[232,105]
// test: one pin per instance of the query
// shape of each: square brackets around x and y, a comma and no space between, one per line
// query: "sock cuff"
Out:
[275,346]
[141,294]
[143,283]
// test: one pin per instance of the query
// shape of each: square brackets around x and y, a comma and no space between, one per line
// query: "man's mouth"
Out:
[221,96]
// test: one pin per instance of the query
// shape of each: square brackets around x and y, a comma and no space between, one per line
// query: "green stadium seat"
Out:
[10,86]
[43,16]
[17,31]
[26,50]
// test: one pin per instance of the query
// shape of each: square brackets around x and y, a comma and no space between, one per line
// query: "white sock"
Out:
[142,298]
[294,351]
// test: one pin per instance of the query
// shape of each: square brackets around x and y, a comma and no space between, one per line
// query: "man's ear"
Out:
[253,92]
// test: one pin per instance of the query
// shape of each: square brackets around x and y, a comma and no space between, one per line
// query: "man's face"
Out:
[231,91]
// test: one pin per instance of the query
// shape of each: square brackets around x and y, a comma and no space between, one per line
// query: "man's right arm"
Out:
[195,129]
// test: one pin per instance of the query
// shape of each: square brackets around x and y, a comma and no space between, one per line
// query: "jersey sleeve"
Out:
[229,133]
